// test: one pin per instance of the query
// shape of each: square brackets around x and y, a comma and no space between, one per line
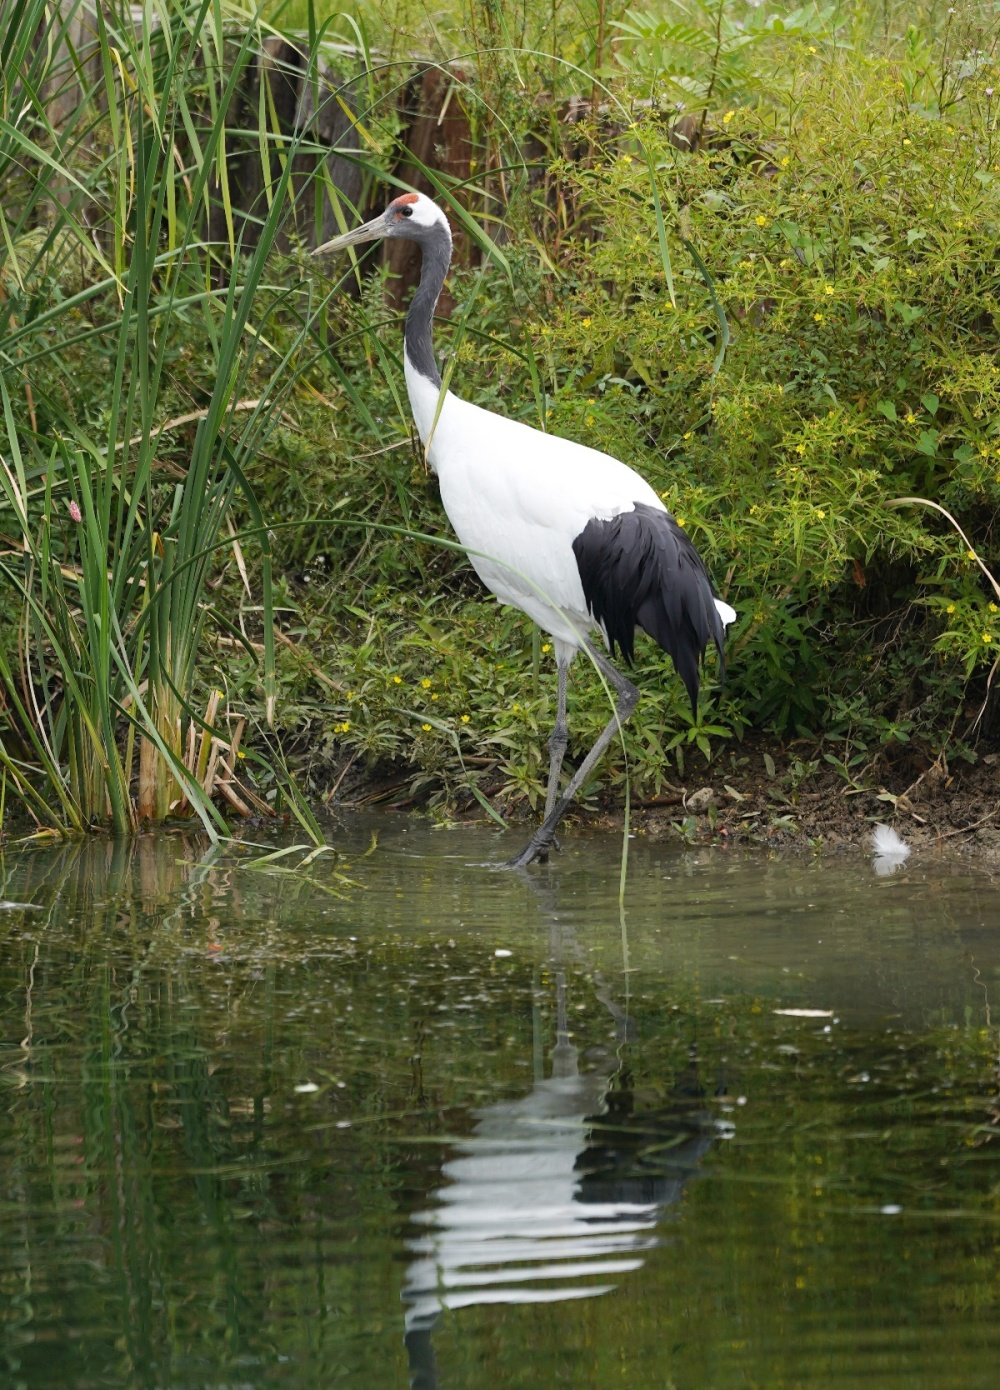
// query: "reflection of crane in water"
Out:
[554,1196]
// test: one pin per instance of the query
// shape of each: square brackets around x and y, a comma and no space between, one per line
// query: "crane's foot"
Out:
[542,857]
[536,849]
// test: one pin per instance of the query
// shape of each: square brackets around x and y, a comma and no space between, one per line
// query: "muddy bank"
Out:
[764,794]
[953,807]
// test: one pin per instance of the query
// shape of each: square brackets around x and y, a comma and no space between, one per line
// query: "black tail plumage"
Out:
[641,569]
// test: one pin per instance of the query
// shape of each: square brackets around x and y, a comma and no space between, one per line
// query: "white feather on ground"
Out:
[889,849]
[886,841]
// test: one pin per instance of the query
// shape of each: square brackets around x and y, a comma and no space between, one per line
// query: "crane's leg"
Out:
[628,698]
[560,733]
[558,740]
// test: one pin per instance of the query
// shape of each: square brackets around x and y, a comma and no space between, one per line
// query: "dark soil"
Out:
[816,807]
[766,794]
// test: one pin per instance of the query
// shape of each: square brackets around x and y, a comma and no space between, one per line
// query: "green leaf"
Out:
[909,313]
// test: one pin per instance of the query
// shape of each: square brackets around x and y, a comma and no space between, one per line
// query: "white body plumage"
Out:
[518,498]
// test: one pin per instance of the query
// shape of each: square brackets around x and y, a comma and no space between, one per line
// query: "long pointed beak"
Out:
[368,231]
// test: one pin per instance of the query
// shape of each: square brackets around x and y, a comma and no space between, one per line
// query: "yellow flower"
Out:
[546,646]
[950,608]
[626,159]
[987,637]
[434,696]
[761,220]
[817,318]
[465,719]
[586,323]
[426,683]
[811,49]
[591,400]
[820,514]
[350,694]
[970,555]
[687,436]
[589,420]
[800,449]
[728,117]
[993,608]
[426,728]
[906,142]
[828,289]
[681,521]
[517,709]
[397,680]
[910,418]
[786,161]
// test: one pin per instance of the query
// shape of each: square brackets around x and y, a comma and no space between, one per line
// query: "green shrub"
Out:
[849,242]
[784,330]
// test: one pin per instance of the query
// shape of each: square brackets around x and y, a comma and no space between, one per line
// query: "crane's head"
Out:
[411,216]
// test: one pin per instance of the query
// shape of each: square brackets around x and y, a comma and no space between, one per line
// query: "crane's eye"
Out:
[406,212]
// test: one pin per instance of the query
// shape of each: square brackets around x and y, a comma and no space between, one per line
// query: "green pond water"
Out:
[262,1128]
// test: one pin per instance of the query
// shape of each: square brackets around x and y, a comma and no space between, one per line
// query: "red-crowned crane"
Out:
[571,536]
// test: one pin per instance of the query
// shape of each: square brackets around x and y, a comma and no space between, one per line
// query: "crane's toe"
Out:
[537,848]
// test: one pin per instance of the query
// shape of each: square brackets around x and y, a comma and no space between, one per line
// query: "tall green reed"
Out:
[109,192]
[120,228]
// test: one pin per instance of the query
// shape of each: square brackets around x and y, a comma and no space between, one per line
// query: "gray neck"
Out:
[436,247]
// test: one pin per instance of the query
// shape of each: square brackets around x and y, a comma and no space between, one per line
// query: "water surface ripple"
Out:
[398,1121]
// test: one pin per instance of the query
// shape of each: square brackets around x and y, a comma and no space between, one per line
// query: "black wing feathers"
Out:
[641,568]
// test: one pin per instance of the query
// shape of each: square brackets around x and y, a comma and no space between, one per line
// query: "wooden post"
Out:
[291,101]
[440,137]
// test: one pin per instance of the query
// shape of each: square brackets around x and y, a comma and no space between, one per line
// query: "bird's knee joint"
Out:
[628,701]
[559,739]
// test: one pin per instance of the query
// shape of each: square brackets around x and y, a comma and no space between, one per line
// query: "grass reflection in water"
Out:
[255,1135]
